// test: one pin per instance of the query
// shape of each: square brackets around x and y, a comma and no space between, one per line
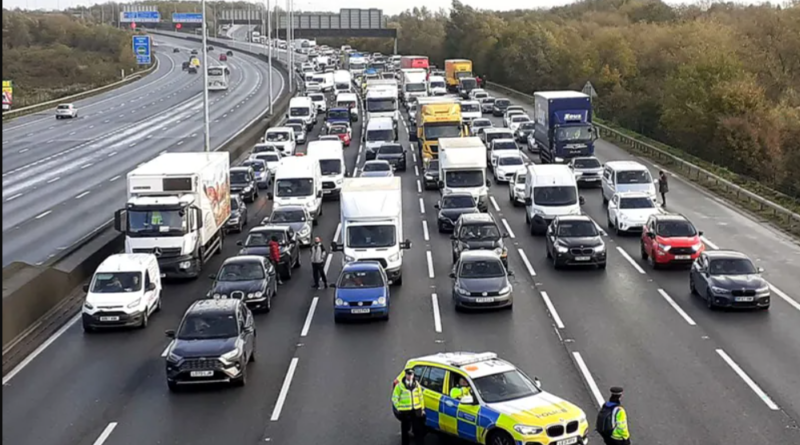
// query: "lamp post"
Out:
[269,52]
[206,123]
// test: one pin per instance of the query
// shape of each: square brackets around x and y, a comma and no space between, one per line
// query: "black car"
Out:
[575,241]
[394,154]
[452,206]
[176,50]
[194,52]
[238,219]
[430,174]
[213,344]
[499,107]
[249,278]
[480,280]
[210,48]
[257,243]
[478,231]
[243,182]
[185,65]
[525,129]
[728,279]
[229,53]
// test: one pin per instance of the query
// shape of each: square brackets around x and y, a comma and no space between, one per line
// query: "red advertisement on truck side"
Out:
[408,62]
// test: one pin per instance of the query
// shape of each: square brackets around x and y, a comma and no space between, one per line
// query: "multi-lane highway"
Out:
[691,376]
[63,179]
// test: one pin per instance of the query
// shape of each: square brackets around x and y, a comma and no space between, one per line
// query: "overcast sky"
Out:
[327,5]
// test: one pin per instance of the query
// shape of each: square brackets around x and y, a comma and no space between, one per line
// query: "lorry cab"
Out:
[550,191]
[283,138]
[563,125]
[124,291]
[330,155]
[437,117]
[298,181]
[303,108]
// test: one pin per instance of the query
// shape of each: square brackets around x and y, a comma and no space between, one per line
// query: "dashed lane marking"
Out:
[430,264]
[677,308]
[494,204]
[287,383]
[587,376]
[552,309]
[425,233]
[310,316]
[527,263]
[749,381]
[630,260]
[437,317]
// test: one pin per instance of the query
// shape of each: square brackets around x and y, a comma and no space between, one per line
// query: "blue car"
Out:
[362,292]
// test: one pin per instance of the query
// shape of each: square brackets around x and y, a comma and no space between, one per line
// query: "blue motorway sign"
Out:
[141,47]
[139,17]
[187,17]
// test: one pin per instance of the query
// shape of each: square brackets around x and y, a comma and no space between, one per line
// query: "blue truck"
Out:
[563,126]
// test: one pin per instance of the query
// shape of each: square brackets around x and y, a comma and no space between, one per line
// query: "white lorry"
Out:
[380,99]
[178,205]
[415,84]
[330,155]
[462,168]
[342,82]
[372,224]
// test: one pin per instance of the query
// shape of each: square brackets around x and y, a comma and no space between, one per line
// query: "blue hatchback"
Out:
[362,292]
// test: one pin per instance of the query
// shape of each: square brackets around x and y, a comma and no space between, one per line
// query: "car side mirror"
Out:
[760,270]
[405,245]
[467,400]
[506,235]
[332,285]
[510,273]
[651,235]
[452,274]
[240,243]
[336,247]
[440,184]
[151,287]
[488,183]
[537,382]
[528,201]
[437,206]
[212,277]
[700,233]
[582,200]
[86,287]
[319,194]
[170,333]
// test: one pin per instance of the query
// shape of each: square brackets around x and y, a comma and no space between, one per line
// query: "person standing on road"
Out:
[318,256]
[275,256]
[612,420]
[663,187]
[407,403]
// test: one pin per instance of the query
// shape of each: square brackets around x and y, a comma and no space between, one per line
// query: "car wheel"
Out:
[316,221]
[602,266]
[173,386]
[268,304]
[605,200]
[88,329]
[145,319]
[399,281]
[159,304]
[499,438]
[642,251]
[618,231]
[610,222]
[710,301]
[692,287]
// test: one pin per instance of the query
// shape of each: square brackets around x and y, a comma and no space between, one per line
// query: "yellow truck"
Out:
[455,70]
[437,117]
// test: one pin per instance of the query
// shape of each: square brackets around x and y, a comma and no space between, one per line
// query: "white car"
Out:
[478,124]
[500,146]
[509,114]
[65,111]
[272,158]
[516,187]
[516,120]
[377,169]
[470,110]
[507,163]
[629,211]
[472,93]
[319,102]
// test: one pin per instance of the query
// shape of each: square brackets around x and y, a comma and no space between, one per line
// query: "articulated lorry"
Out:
[455,70]
[355,62]
[462,168]
[178,206]
[563,125]
[437,117]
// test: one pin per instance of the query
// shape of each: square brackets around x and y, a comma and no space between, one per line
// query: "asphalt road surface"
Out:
[690,376]
[63,179]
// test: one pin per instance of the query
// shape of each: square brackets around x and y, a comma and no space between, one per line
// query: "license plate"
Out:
[202,374]
[326,192]
[590,179]
[744,299]
[109,318]
[683,257]
[583,258]
[484,300]
[570,441]
[364,310]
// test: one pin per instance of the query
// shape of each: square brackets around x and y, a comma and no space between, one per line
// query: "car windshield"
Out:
[505,145]
[339,115]
[510,160]
[317,98]
[482,269]
[239,177]
[381,105]
[257,166]
[263,237]
[470,108]
[555,195]
[527,126]
[377,167]
[298,129]
[380,135]
[264,148]
[468,84]
[675,229]
[372,237]
[391,150]
[272,157]
[634,177]
[577,229]
[488,100]
[63,107]
[437,85]
[338,129]
[294,187]
[278,136]
[433,165]
[471,232]
[464,178]
[504,387]
[287,216]
[160,222]
[330,166]
[415,87]
[117,282]
[502,103]
[435,131]
[207,326]
[586,163]
[299,111]
[241,271]
[458,202]
[636,203]
[732,266]
[520,118]
[360,279]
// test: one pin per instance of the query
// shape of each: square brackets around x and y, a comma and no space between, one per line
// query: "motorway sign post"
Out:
[141,47]
[589,90]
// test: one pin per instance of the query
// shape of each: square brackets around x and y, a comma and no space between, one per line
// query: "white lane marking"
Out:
[419,187]
[630,260]
[42,215]
[430,264]
[552,310]
[709,243]
[310,316]
[677,308]
[494,204]
[166,350]
[36,352]
[338,232]
[421,206]
[24,150]
[114,178]
[72,133]
[180,142]
[287,382]
[85,166]
[133,144]
[598,396]
[105,434]
[358,160]
[785,297]
[437,317]
[54,180]
[508,229]
[414,155]
[91,126]
[425,233]
[83,194]
[18,195]
[756,389]
[416,171]
[527,263]
[107,121]
[194,135]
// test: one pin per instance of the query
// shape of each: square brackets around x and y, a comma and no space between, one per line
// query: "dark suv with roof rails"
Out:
[257,243]
[478,231]
[575,241]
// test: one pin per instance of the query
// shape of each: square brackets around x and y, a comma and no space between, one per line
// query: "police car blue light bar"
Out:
[474,358]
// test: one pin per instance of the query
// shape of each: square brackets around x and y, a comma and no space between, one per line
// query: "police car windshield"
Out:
[208,327]
[117,282]
[506,386]
[482,269]
[241,272]
[361,279]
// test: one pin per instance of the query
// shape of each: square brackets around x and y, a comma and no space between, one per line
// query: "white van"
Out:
[298,181]
[124,291]
[330,155]
[348,100]
[380,130]
[325,81]
[550,191]
[437,86]
[627,176]
[303,108]
[283,138]
[342,82]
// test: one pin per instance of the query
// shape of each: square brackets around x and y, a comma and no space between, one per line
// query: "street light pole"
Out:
[204,67]
[269,52]
[289,44]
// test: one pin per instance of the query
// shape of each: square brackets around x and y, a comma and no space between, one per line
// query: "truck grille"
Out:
[166,252]
[196,364]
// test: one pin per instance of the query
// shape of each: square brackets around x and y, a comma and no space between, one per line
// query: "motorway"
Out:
[63,179]
[691,376]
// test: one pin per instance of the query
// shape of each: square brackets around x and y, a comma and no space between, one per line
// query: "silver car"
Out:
[588,171]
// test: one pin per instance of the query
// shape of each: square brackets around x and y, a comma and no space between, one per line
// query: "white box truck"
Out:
[372,224]
[380,99]
[415,84]
[462,168]
[178,205]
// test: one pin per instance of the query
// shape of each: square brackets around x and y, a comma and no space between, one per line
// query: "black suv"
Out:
[499,108]
[250,278]
[244,182]
[213,344]
[575,241]
[452,206]
[257,243]
[479,231]
[394,154]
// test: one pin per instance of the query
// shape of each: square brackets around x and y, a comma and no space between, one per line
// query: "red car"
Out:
[670,239]
[223,58]
[343,131]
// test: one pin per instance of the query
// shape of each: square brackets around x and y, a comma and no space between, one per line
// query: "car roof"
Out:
[575,218]
[244,259]
[213,306]
[479,255]
[475,365]
[625,165]
[269,228]
[240,169]
[125,262]
[362,265]
[477,218]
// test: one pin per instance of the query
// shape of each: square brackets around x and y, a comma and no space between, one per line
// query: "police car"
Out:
[504,406]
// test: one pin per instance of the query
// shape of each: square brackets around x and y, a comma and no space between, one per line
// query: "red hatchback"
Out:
[223,58]
[343,131]
[670,239]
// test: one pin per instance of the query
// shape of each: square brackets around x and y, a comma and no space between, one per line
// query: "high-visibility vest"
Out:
[621,431]
[459,393]
[405,399]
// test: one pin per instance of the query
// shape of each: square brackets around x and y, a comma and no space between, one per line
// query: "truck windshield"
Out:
[582,133]
[634,177]
[381,105]
[469,84]
[287,216]
[463,74]
[330,166]
[157,222]
[434,131]
[555,196]
[277,136]
[288,188]
[416,87]
[371,237]
[299,112]
[117,282]
[463,178]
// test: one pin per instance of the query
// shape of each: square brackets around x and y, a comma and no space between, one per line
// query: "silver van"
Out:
[626,176]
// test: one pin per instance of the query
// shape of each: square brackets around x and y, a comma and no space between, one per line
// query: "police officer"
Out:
[407,402]
[460,391]
[612,420]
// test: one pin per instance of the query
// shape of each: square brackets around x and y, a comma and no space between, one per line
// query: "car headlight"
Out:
[394,258]
[506,289]
[339,302]
[305,231]
[173,357]
[719,290]
[664,247]
[310,204]
[134,303]
[230,356]
[348,258]
[339,181]
[762,290]
[88,305]
[381,301]
[537,211]
[528,430]
[697,246]
[600,248]
[461,290]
